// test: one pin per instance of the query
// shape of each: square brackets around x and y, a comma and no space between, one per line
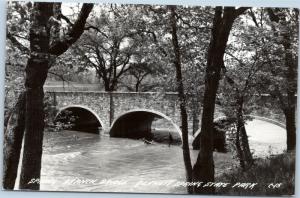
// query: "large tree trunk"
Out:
[36,74]
[288,104]
[106,85]
[35,71]
[203,170]
[7,114]
[290,110]
[109,85]
[291,76]
[290,129]
[180,89]
[13,137]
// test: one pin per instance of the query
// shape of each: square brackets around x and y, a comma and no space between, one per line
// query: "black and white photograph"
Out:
[150,98]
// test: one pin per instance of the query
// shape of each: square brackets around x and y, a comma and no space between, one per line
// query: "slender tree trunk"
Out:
[196,113]
[239,149]
[13,137]
[242,144]
[180,89]
[137,85]
[246,147]
[36,74]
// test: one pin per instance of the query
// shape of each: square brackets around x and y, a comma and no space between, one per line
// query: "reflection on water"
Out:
[111,164]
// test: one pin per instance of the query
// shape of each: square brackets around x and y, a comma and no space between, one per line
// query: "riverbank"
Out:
[273,176]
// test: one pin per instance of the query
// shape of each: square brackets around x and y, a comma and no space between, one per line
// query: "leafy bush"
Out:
[65,120]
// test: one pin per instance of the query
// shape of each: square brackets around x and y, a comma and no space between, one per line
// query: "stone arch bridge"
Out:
[113,111]
[109,106]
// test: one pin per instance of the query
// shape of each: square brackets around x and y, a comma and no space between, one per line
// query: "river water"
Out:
[78,161]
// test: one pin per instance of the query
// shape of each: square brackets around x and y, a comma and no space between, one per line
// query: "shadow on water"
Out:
[147,126]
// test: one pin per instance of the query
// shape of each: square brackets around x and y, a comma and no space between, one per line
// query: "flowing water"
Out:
[78,161]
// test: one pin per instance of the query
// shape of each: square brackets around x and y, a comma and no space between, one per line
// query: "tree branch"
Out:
[76,31]
[58,75]
[241,10]
[61,16]
[253,18]
[15,42]
[97,29]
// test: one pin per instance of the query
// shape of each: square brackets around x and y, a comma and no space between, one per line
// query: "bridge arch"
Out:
[136,124]
[86,116]
[265,136]
[275,122]
[196,141]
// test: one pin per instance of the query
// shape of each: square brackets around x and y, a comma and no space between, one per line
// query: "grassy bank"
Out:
[266,173]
